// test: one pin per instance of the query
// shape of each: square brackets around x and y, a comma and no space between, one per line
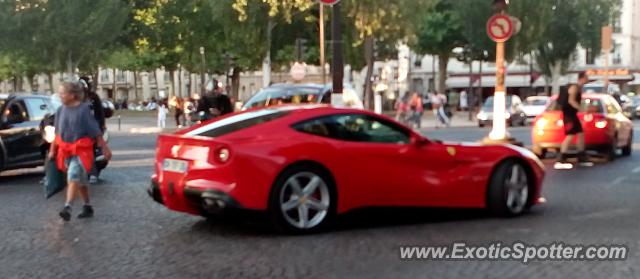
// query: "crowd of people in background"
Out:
[410,109]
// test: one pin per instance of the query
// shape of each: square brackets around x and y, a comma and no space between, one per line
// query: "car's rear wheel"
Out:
[480,125]
[627,149]
[508,193]
[303,200]
[609,152]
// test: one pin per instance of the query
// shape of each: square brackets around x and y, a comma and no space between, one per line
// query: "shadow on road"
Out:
[9,179]
[253,224]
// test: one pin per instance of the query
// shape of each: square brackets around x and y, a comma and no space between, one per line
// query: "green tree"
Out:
[441,30]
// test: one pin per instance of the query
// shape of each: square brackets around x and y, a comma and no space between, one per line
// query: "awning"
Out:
[510,81]
[542,82]
[459,82]
[636,79]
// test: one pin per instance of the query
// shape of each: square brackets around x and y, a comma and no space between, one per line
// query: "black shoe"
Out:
[562,158]
[583,160]
[65,213]
[87,212]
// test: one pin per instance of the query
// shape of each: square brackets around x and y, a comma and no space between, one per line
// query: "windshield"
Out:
[536,102]
[591,105]
[488,104]
[284,95]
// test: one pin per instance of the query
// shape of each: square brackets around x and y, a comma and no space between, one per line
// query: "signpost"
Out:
[500,27]
[606,47]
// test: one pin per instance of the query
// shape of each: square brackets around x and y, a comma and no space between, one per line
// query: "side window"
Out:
[16,113]
[354,127]
[37,108]
[612,106]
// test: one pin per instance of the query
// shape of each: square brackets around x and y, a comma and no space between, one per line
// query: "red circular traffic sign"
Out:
[500,28]
[329,2]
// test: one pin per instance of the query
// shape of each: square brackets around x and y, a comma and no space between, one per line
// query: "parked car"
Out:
[279,94]
[632,110]
[305,164]
[514,109]
[534,106]
[21,141]
[605,127]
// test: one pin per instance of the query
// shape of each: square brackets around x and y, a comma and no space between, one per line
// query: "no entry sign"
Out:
[329,2]
[500,28]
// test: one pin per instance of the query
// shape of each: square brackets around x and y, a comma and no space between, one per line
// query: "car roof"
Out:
[296,85]
[537,97]
[589,95]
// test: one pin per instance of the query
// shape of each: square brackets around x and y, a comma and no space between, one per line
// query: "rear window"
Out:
[488,104]
[536,102]
[237,122]
[591,105]
[284,95]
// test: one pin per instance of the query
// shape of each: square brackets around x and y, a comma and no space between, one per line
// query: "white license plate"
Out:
[172,165]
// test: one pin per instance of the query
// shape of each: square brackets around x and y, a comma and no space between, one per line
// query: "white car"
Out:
[534,106]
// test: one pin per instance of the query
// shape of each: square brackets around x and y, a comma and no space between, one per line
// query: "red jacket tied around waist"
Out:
[83,148]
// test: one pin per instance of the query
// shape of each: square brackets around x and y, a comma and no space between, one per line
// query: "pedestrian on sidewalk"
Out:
[162,114]
[178,105]
[402,108]
[415,105]
[570,102]
[76,132]
[189,110]
[99,114]
[464,104]
[437,104]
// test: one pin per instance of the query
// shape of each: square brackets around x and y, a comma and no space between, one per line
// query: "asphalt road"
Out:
[131,236]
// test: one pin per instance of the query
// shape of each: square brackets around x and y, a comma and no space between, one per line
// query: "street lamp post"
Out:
[338,63]
[202,66]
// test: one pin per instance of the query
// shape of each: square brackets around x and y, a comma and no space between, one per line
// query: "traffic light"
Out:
[500,5]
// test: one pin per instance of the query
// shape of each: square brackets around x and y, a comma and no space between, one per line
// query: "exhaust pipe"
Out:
[213,203]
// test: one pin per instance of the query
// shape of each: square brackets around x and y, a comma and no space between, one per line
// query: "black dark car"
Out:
[21,142]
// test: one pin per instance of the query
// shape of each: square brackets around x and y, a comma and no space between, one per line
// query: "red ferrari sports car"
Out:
[305,164]
[606,129]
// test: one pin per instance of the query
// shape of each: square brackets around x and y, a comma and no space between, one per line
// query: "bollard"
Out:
[119,123]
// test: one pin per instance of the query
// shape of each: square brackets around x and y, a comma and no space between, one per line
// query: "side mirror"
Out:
[419,141]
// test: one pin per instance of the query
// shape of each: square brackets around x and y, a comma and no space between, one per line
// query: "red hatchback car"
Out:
[606,129]
[303,165]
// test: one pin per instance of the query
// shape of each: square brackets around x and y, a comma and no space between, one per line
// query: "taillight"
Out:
[541,123]
[222,155]
[601,124]
[559,123]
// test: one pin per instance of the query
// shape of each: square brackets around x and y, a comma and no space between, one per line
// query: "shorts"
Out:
[75,171]
[572,124]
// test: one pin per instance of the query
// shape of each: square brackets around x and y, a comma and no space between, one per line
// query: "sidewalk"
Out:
[459,119]
[146,123]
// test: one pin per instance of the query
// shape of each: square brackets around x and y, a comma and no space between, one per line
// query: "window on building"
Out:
[617,54]
[104,76]
[120,76]
[590,57]
[616,23]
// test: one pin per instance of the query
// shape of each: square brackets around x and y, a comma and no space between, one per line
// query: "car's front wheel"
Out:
[627,149]
[508,193]
[303,200]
